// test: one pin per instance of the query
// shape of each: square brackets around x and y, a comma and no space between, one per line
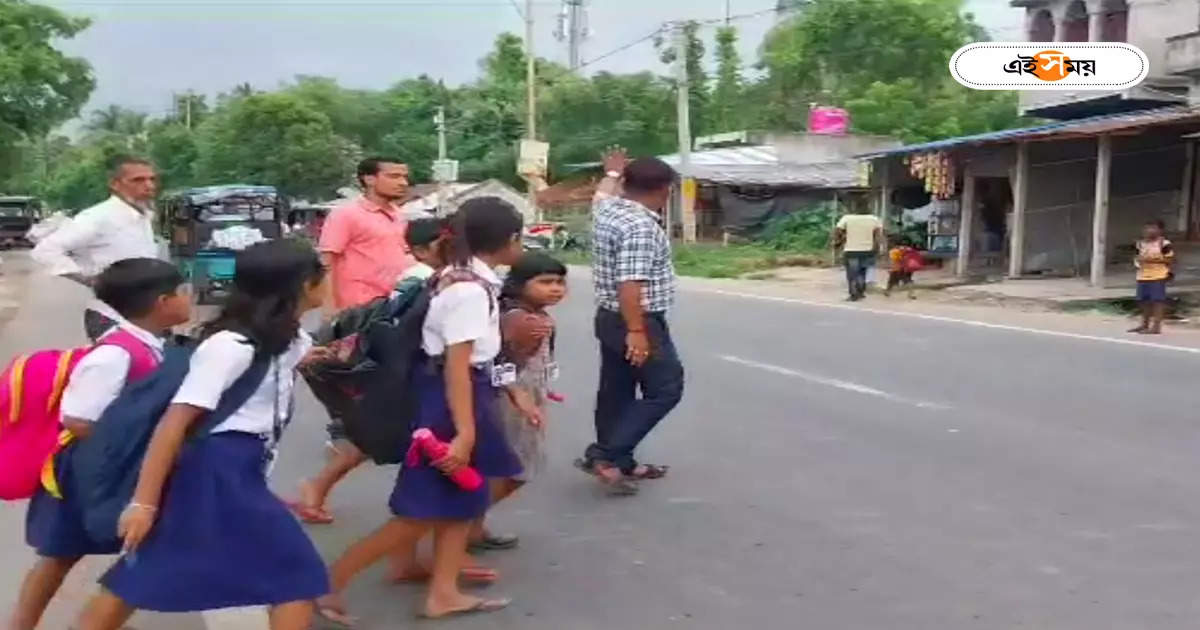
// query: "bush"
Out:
[807,230]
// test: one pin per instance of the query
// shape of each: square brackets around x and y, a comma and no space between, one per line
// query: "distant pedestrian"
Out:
[905,261]
[203,531]
[1155,256]
[117,228]
[634,280]
[860,235]
[363,244]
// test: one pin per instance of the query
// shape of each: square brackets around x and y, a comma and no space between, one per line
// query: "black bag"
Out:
[368,387]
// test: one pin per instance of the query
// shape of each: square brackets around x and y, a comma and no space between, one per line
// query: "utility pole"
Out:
[439,120]
[531,97]
[686,185]
[187,104]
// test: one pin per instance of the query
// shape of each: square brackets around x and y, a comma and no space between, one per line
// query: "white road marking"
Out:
[832,382]
[955,320]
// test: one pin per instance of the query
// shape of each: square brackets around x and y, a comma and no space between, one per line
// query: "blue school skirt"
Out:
[222,539]
[54,527]
[423,492]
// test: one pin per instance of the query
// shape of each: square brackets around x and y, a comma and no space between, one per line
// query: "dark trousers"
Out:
[96,324]
[857,264]
[623,419]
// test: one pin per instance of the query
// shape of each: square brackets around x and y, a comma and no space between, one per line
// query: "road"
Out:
[833,467]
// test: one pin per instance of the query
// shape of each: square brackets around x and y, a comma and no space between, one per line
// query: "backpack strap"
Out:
[142,358]
[238,393]
[455,275]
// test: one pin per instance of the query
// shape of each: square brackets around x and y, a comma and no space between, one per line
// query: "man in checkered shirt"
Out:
[634,281]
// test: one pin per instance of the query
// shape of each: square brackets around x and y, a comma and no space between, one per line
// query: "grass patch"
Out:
[715,261]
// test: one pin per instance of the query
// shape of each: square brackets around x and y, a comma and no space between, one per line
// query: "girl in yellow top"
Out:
[1153,262]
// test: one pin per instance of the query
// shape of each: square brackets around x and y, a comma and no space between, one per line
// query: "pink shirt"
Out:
[367,243]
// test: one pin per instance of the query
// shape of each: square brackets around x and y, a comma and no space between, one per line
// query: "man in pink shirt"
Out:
[362,241]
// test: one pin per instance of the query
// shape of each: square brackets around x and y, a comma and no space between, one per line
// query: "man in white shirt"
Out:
[117,228]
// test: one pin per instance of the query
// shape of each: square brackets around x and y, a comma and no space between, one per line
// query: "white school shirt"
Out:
[463,312]
[100,376]
[417,270]
[220,360]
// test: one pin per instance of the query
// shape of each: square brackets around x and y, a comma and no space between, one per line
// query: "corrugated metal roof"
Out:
[755,155]
[1082,127]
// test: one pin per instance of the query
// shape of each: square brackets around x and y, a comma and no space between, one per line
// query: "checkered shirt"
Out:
[628,245]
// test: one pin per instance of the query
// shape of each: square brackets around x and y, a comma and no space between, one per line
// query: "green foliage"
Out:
[275,139]
[806,230]
[40,87]
[885,61]
[727,104]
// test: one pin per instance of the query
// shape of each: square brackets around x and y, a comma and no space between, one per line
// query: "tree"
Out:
[40,87]
[173,149]
[699,95]
[881,59]
[727,96]
[275,139]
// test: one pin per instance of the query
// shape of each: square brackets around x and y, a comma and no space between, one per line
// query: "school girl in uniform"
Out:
[147,294]
[203,531]
[457,387]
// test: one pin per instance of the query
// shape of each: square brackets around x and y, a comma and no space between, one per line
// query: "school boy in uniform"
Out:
[147,294]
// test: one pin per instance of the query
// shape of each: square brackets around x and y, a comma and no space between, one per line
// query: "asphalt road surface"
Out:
[832,468]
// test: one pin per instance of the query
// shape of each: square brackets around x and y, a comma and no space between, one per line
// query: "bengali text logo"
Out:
[1109,66]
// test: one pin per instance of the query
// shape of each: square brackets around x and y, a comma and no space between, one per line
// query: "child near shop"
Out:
[148,295]
[457,386]
[536,283]
[905,261]
[215,536]
[1155,255]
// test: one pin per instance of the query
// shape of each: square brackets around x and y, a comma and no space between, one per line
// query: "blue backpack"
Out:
[106,466]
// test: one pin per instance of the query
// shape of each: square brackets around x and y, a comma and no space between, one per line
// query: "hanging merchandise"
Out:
[936,170]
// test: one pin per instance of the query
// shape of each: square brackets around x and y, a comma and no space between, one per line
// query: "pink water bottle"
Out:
[424,442]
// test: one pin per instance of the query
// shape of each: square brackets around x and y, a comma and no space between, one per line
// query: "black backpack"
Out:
[377,346]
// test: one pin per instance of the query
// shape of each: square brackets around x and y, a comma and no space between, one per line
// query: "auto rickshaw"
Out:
[17,215]
[307,219]
[205,228]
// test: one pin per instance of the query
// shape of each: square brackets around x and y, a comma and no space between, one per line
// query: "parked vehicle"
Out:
[17,216]
[205,228]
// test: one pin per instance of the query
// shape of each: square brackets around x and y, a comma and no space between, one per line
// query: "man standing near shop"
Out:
[860,235]
[634,280]
[117,228]
[362,244]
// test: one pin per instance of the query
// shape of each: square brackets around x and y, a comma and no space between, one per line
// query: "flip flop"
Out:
[617,485]
[494,542]
[337,616]
[479,576]
[309,514]
[481,606]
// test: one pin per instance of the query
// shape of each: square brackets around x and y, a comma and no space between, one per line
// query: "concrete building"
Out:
[1166,30]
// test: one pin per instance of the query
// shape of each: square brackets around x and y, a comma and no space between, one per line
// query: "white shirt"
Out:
[220,360]
[417,270]
[98,237]
[465,312]
[101,375]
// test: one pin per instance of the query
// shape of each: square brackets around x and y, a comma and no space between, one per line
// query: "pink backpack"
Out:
[31,388]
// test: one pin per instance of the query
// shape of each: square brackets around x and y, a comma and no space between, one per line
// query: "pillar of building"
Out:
[1100,212]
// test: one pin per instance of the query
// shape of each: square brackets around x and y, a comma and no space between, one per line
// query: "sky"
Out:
[143,51]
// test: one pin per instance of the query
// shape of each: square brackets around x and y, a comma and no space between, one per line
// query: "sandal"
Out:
[648,471]
[618,484]
[481,606]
